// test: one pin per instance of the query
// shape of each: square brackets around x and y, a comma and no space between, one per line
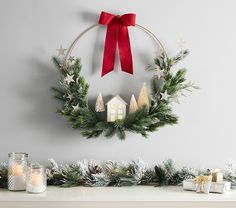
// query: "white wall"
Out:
[30,31]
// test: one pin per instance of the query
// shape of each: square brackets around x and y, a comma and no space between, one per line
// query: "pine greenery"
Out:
[113,173]
[167,174]
[3,175]
[142,121]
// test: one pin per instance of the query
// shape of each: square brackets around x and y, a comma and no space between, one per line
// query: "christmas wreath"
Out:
[147,115]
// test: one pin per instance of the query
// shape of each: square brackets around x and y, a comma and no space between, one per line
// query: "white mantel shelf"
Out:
[109,197]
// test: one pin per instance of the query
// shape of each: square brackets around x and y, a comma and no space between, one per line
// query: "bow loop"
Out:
[106,18]
[117,32]
[128,19]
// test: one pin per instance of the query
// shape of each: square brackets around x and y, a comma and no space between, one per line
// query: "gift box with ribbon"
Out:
[203,183]
[217,176]
[215,187]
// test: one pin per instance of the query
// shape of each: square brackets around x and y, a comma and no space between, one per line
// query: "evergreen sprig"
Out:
[142,121]
[167,174]
[3,175]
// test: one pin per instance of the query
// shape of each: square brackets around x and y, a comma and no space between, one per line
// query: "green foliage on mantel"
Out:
[113,173]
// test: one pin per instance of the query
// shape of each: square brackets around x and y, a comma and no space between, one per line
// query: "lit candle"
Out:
[18,177]
[17,171]
[36,180]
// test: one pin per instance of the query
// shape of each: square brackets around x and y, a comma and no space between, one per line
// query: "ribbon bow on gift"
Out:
[117,32]
[203,183]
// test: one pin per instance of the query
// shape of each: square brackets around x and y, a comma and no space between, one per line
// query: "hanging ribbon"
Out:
[117,32]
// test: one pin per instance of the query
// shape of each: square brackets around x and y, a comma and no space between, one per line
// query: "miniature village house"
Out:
[116,109]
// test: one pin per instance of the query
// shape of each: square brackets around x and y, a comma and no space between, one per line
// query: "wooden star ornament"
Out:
[61,51]
[69,79]
[71,58]
[165,95]
[75,108]
[64,66]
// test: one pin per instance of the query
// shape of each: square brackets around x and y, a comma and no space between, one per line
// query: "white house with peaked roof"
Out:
[116,109]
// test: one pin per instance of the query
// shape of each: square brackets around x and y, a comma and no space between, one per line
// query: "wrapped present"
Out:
[203,183]
[216,187]
[217,176]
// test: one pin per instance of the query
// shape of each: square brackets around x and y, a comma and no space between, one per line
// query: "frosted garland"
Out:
[113,173]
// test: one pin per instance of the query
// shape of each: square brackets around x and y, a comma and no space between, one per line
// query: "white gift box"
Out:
[216,187]
[204,184]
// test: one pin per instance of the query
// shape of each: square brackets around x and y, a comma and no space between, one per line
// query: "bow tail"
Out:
[125,53]
[110,49]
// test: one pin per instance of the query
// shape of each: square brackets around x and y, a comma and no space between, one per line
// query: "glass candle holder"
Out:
[17,170]
[36,179]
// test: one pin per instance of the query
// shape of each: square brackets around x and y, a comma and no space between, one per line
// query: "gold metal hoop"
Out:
[71,47]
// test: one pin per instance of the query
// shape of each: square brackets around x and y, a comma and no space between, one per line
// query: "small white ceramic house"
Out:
[116,109]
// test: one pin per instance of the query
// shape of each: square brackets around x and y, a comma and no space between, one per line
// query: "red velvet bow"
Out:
[117,32]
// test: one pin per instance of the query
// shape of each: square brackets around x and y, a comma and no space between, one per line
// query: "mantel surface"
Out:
[137,196]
